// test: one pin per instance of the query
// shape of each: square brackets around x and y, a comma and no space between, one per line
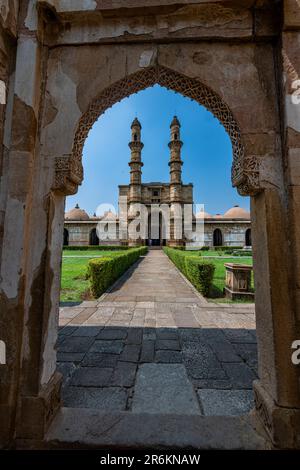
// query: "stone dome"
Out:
[203,215]
[237,212]
[76,214]
[109,216]
[218,216]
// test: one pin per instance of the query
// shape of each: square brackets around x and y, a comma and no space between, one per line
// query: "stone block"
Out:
[91,377]
[109,399]
[131,353]
[168,357]
[112,333]
[109,346]
[124,374]
[241,375]
[148,350]
[100,360]
[168,344]
[76,344]
[164,388]
[225,402]
[135,336]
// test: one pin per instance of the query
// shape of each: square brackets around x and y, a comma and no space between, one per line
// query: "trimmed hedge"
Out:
[200,273]
[223,248]
[103,272]
[96,247]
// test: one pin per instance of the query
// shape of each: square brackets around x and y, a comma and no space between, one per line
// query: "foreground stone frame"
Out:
[57,89]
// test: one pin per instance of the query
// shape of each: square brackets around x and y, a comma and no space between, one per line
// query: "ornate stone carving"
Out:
[68,174]
[209,15]
[245,170]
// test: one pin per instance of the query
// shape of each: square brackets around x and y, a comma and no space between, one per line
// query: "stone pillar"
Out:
[278,391]
[29,395]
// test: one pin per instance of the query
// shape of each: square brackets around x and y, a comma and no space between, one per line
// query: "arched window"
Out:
[175,137]
[248,240]
[135,137]
[66,237]
[218,237]
[94,240]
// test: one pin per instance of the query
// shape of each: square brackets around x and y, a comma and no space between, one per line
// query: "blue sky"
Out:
[206,153]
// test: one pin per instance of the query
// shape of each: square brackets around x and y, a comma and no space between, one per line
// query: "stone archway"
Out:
[245,171]
[217,237]
[250,175]
[71,78]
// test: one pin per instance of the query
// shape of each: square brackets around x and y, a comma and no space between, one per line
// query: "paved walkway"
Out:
[154,345]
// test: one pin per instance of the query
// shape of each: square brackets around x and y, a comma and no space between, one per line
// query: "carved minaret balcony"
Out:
[175,162]
[136,146]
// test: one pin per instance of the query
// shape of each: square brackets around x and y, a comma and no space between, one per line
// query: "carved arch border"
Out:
[245,170]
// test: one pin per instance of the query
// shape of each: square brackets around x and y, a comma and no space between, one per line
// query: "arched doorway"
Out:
[217,237]
[66,237]
[94,240]
[248,240]
[69,174]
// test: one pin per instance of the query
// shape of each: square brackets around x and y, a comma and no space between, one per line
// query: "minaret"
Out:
[175,161]
[135,191]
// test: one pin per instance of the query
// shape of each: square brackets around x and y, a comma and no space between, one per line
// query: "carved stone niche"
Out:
[245,169]
[68,175]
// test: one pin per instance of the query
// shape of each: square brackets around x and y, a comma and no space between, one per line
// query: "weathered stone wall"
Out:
[233,234]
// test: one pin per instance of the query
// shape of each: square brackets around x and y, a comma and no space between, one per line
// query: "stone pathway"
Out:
[154,345]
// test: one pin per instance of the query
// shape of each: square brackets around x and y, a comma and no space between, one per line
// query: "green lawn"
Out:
[219,258]
[74,285]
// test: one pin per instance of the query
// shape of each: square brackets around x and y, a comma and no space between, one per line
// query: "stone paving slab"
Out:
[108,398]
[101,429]
[225,402]
[164,388]
[148,325]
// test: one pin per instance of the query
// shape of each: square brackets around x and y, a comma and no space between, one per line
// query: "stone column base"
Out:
[36,412]
[281,424]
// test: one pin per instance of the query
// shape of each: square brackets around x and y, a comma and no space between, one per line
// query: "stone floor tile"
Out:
[169,344]
[107,346]
[130,353]
[241,375]
[148,350]
[112,333]
[225,402]
[109,399]
[248,352]
[124,374]
[91,377]
[86,330]
[75,344]
[225,352]
[167,333]
[135,336]
[168,357]
[70,357]
[164,388]
[100,360]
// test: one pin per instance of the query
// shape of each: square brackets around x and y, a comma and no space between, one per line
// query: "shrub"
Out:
[242,252]
[200,273]
[223,248]
[103,272]
[96,247]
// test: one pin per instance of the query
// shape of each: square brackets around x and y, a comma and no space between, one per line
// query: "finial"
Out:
[136,123]
[175,122]
[77,206]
